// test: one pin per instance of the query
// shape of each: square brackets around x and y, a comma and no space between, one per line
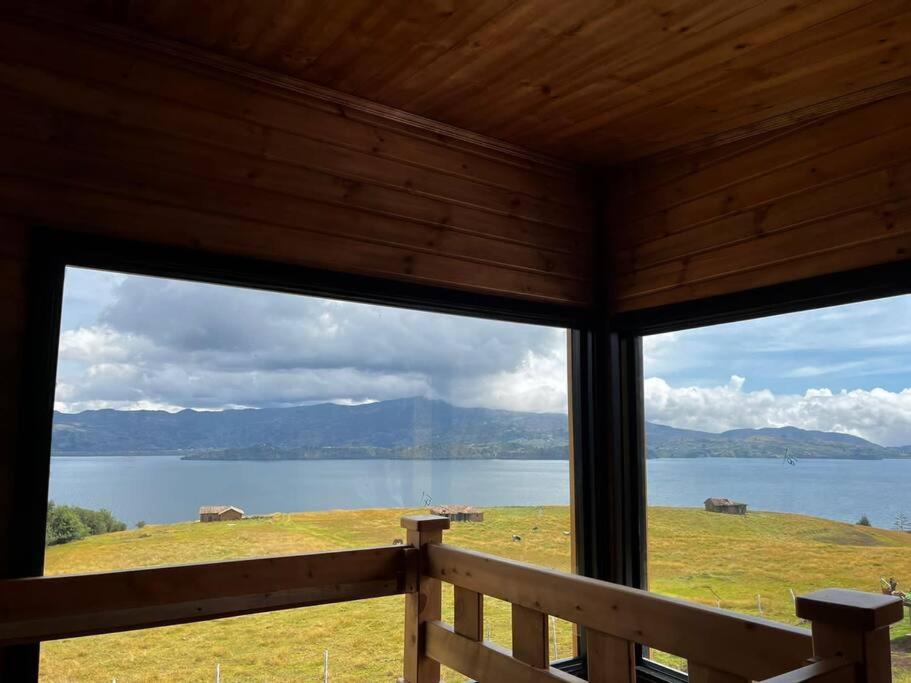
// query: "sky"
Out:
[132,342]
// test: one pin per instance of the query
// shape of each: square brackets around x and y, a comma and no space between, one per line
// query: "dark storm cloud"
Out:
[233,328]
[173,343]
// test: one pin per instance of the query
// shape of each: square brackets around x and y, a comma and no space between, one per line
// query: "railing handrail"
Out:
[52,607]
[739,644]
[850,636]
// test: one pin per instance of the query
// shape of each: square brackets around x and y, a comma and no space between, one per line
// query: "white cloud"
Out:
[99,343]
[538,384]
[175,344]
[881,416]
[819,370]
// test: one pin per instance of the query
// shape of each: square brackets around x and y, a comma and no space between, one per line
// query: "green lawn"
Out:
[735,562]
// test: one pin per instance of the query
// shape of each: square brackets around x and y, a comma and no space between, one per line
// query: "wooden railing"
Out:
[849,642]
[52,607]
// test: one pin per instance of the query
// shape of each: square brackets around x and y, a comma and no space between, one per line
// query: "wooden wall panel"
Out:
[818,198]
[120,139]
[604,81]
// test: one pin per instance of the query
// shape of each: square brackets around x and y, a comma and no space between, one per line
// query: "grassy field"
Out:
[747,564]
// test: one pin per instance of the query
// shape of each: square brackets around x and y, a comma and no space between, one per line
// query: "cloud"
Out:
[881,416]
[854,346]
[175,344]
[819,370]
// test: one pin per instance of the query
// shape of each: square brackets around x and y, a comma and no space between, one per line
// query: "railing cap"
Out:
[854,609]
[425,522]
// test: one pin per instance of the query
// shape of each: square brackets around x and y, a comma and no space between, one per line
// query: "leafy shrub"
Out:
[140,524]
[863,521]
[67,523]
[63,526]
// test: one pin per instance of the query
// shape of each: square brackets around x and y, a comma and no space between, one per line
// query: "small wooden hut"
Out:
[725,505]
[219,513]
[459,513]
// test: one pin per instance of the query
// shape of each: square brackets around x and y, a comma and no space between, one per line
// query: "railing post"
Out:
[853,625]
[425,604]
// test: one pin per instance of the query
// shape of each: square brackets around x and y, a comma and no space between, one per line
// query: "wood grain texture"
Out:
[699,673]
[599,81]
[52,607]
[485,661]
[817,198]
[610,659]
[830,670]
[468,613]
[424,603]
[749,647]
[106,137]
[529,636]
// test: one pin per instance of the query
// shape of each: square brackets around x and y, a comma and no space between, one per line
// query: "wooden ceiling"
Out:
[596,81]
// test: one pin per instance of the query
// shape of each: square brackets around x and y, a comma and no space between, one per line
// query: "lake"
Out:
[164,489]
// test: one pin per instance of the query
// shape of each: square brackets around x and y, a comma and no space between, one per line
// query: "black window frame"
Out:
[823,291]
[607,414]
[52,250]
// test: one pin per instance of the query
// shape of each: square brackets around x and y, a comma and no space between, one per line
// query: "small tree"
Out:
[140,524]
[864,521]
[67,523]
[64,526]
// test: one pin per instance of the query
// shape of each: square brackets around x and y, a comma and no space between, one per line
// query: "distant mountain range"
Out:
[403,428]
[771,442]
[411,428]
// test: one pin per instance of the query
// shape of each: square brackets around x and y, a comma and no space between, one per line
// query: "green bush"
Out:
[863,521]
[67,523]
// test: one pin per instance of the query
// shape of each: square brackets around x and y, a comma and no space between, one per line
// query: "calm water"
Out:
[162,489]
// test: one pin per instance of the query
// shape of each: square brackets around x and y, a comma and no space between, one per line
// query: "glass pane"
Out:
[198,422]
[777,451]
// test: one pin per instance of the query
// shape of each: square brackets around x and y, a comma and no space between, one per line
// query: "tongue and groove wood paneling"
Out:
[819,198]
[601,81]
[122,140]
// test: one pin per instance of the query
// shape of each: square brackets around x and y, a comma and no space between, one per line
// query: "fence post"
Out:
[855,626]
[425,604]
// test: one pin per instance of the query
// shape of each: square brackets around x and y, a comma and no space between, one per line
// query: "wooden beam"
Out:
[349,106]
[52,607]
[831,670]
[469,613]
[485,661]
[529,636]
[841,607]
[699,673]
[425,603]
[798,117]
[610,659]
[855,626]
[746,646]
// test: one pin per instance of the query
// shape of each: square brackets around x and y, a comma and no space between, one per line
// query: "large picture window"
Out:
[197,422]
[777,455]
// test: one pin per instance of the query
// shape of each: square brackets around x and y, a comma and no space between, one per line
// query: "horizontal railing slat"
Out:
[485,661]
[742,645]
[830,670]
[53,607]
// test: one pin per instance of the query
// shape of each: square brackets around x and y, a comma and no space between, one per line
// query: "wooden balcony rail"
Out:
[52,607]
[849,640]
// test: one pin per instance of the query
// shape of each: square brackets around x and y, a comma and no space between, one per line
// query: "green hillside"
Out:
[711,558]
